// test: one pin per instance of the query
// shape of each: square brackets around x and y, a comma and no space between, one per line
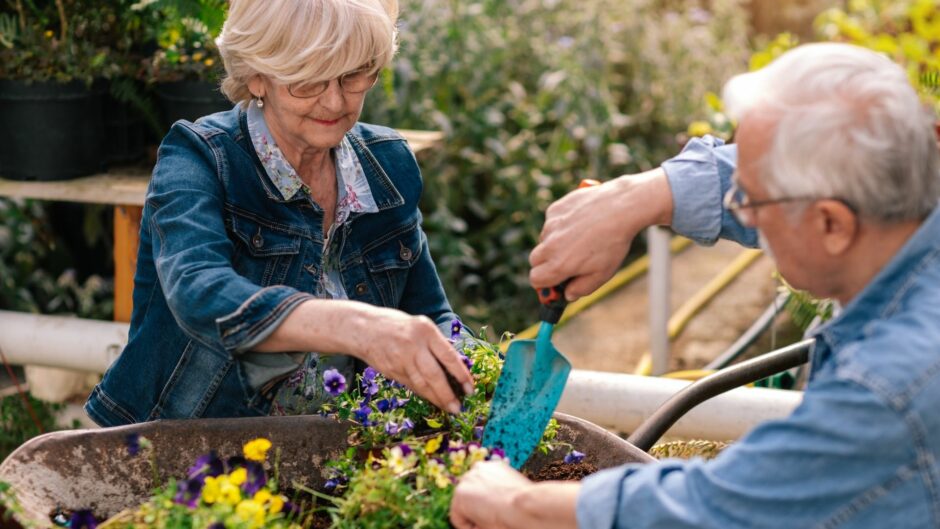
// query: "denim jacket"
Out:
[861,451]
[224,259]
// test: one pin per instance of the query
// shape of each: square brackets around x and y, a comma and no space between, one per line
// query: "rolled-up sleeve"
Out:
[699,178]
[193,254]
[817,468]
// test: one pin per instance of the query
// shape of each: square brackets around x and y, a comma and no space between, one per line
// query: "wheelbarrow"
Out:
[90,469]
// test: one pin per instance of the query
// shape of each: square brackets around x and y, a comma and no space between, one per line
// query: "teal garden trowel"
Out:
[530,385]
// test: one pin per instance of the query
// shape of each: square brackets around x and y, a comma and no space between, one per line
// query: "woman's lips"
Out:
[326,122]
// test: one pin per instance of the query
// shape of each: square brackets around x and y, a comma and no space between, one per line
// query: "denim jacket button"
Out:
[405,253]
[361,289]
[257,241]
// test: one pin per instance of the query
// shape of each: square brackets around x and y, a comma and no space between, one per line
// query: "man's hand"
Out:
[494,496]
[588,232]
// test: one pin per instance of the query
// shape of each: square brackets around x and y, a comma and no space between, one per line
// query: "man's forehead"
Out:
[753,136]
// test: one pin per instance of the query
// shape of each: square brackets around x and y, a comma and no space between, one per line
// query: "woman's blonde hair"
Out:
[304,40]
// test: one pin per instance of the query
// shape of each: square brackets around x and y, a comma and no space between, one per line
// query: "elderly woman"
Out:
[281,240]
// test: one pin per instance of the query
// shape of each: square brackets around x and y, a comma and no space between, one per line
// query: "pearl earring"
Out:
[260,102]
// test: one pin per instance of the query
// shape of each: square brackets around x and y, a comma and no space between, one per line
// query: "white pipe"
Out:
[57,341]
[660,272]
[621,402]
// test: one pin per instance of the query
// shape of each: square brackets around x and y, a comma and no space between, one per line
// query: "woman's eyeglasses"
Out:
[354,82]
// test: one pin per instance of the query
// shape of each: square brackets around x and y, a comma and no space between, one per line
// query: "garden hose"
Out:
[621,279]
[696,303]
[751,335]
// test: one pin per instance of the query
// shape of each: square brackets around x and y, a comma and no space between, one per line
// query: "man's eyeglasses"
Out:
[354,82]
[738,203]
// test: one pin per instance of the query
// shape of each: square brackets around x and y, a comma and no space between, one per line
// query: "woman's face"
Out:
[317,122]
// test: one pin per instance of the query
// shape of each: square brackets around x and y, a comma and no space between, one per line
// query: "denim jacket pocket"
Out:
[390,261]
[263,253]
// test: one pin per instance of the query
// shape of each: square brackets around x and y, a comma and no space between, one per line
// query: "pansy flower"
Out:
[206,465]
[132,441]
[574,457]
[370,386]
[334,382]
[455,328]
[256,478]
[188,492]
[257,449]
[82,519]
[362,414]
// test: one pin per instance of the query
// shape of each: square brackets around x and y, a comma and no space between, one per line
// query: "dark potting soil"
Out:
[561,471]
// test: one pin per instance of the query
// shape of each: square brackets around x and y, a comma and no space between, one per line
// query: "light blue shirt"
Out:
[862,449]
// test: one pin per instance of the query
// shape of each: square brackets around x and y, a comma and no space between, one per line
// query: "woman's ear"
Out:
[837,226]
[256,86]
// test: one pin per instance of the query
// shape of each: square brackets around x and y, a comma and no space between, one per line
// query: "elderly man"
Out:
[838,176]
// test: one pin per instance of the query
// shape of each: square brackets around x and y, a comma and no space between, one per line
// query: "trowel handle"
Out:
[552,303]
[553,300]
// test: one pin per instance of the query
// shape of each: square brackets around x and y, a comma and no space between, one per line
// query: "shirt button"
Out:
[311,268]
[361,289]
[257,241]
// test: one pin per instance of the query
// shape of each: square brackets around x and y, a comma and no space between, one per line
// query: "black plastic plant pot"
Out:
[126,132]
[50,131]
[189,100]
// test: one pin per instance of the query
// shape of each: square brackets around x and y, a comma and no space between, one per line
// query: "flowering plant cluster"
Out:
[185,32]
[406,455]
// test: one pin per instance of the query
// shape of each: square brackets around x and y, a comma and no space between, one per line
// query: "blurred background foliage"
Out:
[534,95]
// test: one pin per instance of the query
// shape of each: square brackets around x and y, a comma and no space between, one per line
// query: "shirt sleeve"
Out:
[699,177]
[193,254]
[834,457]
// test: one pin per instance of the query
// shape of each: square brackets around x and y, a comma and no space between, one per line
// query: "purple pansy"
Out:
[82,519]
[132,441]
[478,432]
[370,386]
[407,425]
[362,414]
[391,428]
[497,452]
[206,465]
[334,382]
[455,328]
[383,405]
[188,491]
[405,450]
[256,478]
[574,457]
[466,361]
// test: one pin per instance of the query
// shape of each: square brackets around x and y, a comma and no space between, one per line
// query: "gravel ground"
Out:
[613,334]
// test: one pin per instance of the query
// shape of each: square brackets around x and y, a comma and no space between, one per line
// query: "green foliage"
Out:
[66,40]
[533,96]
[907,31]
[17,425]
[185,31]
[34,274]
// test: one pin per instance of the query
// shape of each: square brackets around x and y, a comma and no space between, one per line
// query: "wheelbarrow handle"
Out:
[646,435]
[552,300]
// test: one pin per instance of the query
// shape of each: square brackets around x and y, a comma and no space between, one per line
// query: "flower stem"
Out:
[64,30]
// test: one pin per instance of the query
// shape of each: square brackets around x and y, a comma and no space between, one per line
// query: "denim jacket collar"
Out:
[881,297]
[384,192]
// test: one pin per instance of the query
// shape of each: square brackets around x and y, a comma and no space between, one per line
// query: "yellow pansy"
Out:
[49,34]
[251,512]
[433,445]
[210,490]
[197,56]
[208,62]
[477,454]
[238,476]
[257,449]
[277,504]
[229,493]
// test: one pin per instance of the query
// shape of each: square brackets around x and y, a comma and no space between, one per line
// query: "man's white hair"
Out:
[304,40]
[849,125]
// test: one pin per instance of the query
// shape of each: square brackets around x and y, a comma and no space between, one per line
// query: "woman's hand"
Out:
[588,232]
[411,350]
[494,496]
[408,349]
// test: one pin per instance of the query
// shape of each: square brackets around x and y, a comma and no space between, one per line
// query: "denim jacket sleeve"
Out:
[699,177]
[193,253]
[837,455]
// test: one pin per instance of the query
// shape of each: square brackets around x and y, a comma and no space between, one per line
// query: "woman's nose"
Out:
[333,98]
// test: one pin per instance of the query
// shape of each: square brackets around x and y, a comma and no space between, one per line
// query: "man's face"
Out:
[787,228]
